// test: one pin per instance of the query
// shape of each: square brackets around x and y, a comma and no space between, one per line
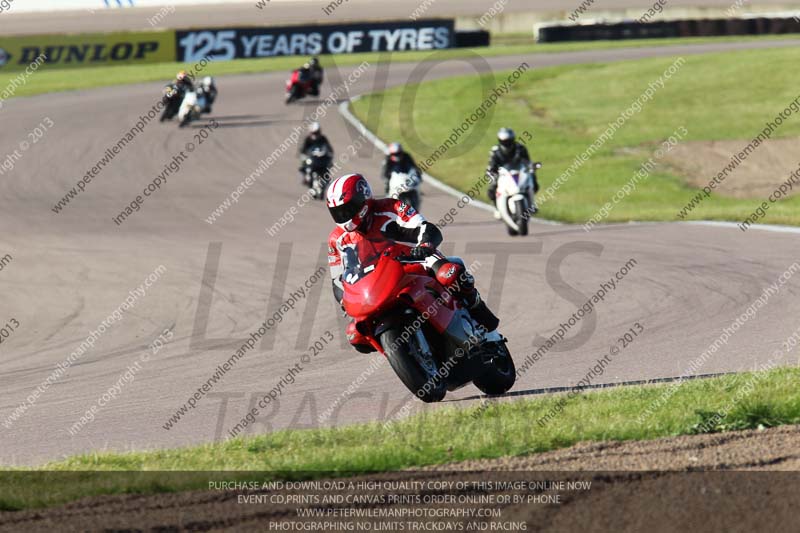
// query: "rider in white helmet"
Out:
[315,139]
[210,88]
[507,153]
[398,160]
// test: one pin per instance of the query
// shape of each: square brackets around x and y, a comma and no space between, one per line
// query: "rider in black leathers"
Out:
[398,160]
[507,153]
[317,75]
[315,139]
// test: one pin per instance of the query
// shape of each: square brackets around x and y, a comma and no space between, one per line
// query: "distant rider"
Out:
[314,140]
[507,153]
[210,88]
[363,220]
[171,97]
[398,160]
[317,75]
[304,73]
[184,82]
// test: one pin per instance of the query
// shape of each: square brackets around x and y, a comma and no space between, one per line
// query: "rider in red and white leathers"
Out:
[387,222]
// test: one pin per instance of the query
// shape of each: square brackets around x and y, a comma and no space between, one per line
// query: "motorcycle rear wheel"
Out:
[167,114]
[501,376]
[414,377]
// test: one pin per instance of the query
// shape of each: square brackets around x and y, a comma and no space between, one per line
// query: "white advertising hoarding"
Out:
[23,6]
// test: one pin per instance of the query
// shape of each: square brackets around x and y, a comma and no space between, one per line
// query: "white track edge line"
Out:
[344,110]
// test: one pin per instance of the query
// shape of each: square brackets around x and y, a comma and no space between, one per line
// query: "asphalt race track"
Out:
[71,270]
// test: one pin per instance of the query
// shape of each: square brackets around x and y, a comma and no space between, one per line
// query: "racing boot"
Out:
[457,280]
[480,311]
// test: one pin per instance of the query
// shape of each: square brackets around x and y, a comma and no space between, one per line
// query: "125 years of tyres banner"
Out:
[222,44]
[233,43]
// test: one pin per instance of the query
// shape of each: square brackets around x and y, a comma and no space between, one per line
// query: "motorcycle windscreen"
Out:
[521,175]
[400,183]
[370,279]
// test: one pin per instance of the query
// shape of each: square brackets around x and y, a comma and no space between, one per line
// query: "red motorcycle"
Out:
[431,341]
[297,87]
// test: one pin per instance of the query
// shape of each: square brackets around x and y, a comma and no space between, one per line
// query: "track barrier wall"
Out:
[670,28]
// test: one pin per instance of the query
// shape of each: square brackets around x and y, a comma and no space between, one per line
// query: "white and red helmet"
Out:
[349,199]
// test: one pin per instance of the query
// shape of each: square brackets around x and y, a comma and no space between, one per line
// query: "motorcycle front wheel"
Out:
[167,114]
[523,215]
[293,95]
[318,186]
[400,352]
[502,374]
[522,222]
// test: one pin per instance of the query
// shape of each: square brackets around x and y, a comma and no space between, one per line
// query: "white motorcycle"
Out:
[405,187]
[514,199]
[192,107]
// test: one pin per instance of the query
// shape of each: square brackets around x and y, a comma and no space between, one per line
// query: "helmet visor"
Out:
[343,213]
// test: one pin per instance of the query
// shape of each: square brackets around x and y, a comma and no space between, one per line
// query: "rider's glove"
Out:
[423,251]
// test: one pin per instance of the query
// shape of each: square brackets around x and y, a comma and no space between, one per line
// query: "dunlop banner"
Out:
[86,50]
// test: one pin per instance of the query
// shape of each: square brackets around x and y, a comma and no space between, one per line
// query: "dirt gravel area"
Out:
[739,481]
[770,449]
[758,176]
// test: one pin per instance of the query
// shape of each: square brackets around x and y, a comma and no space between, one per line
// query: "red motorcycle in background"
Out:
[430,340]
[297,87]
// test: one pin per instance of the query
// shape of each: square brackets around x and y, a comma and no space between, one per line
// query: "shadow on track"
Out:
[239,117]
[241,124]
[553,390]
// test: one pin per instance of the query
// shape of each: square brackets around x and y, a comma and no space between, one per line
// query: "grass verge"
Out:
[767,398]
[46,81]
[567,108]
